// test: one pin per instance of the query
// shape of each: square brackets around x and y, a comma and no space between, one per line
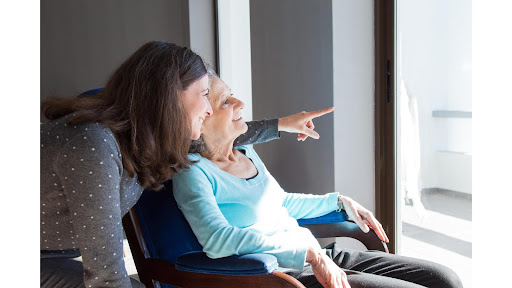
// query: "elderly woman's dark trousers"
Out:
[379,269]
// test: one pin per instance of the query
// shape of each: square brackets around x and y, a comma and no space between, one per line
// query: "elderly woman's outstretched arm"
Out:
[258,132]
[268,129]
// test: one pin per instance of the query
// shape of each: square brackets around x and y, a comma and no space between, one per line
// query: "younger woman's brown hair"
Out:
[140,104]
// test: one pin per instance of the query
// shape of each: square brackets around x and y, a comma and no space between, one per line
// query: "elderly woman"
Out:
[234,206]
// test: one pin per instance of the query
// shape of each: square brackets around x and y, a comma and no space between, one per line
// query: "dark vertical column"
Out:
[385,196]
[292,54]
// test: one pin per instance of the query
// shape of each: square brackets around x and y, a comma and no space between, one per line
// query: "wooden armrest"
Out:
[166,272]
[348,229]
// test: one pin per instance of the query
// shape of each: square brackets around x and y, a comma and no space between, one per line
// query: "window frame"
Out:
[385,120]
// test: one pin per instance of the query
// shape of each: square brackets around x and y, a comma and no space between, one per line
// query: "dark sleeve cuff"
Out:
[273,128]
[259,131]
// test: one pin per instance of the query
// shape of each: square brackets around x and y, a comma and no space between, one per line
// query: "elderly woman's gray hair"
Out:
[210,70]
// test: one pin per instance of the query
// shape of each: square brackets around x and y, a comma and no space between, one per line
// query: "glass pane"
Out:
[434,122]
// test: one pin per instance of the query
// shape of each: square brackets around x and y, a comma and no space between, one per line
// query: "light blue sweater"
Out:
[234,216]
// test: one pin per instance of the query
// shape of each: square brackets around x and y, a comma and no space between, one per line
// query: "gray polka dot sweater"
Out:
[85,192]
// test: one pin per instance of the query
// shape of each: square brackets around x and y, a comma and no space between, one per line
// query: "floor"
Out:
[442,232]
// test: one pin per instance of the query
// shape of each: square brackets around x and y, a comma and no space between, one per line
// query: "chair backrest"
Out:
[158,234]
[157,209]
[91,92]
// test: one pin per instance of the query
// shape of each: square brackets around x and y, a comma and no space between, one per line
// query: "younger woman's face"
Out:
[197,106]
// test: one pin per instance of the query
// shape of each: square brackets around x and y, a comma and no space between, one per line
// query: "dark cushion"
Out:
[240,265]
[333,217]
[165,229]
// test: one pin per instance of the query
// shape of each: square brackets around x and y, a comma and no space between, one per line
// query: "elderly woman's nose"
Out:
[241,104]
[209,110]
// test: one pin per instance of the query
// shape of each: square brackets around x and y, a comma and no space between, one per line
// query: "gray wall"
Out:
[202,29]
[82,42]
[291,44]
[310,55]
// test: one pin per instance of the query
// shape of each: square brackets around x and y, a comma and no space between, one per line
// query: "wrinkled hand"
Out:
[326,271]
[302,123]
[363,218]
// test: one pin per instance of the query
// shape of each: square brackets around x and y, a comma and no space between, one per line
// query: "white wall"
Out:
[353,75]
[235,50]
[202,29]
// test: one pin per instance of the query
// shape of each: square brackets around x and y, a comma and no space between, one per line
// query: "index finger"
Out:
[378,229]
[321,112]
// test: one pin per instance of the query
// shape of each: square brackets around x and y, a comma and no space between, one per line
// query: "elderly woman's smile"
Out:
[226,122]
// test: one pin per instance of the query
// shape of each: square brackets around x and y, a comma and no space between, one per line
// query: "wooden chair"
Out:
[166,252]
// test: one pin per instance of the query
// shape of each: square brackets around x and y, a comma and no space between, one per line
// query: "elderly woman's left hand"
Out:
[302,123]
[363,218]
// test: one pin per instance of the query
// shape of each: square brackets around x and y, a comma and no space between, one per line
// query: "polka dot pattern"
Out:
[84,193]
[259,131]
[85,190]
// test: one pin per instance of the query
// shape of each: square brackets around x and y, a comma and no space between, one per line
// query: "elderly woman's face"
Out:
[226,122]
